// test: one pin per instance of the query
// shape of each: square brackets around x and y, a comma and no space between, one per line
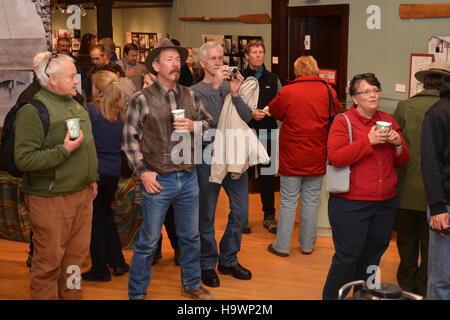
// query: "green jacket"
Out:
[50,170]
[409,115]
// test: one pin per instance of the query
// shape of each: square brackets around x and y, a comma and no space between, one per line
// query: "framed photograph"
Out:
[119,52]
[419,62]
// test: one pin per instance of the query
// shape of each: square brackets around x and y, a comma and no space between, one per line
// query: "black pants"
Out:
[105,246]
[266,182]
[361,234]
[412,239]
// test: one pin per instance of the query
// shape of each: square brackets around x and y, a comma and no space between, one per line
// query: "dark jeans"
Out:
[266,181]
[412,239]
[105,246]
[361,234]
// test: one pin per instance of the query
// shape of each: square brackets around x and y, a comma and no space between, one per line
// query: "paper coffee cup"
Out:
[381,125]
[178,113]
[73,125]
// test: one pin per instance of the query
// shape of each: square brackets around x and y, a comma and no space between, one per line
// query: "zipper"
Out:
[51,186]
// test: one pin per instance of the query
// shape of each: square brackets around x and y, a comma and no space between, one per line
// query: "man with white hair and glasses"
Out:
[212,91]
[59,181]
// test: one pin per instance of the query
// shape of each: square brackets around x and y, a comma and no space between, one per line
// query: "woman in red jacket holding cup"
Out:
[303,106]
[363,218]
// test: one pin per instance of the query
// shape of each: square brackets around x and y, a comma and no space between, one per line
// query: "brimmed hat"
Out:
[437,67]
[165,44]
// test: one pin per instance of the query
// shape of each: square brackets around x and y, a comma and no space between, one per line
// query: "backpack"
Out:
[8,134]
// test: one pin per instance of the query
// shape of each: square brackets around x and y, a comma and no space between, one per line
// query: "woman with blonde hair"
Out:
[303,106]
[107,114]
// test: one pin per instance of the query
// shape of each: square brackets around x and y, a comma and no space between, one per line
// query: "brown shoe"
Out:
[270,225]
[199,293]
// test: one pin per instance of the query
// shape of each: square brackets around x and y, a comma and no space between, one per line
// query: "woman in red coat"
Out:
[303,106]
[362,219]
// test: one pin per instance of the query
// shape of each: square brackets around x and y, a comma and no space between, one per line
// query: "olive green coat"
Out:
[50,169]
[409,115]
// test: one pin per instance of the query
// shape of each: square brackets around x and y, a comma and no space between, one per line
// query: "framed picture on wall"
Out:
[145,41]
[233,46]
[419,62]
[119,52]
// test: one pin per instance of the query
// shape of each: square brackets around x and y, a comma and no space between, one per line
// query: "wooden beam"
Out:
[410,11]
[245,18]
[104,18]
[280,38]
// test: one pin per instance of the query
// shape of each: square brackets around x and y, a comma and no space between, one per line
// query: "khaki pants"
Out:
[61,235]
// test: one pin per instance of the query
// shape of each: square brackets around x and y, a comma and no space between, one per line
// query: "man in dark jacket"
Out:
[435,149]
[269,84]
[411,221]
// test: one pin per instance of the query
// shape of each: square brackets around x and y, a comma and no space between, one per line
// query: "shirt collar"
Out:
[163,89]
[364,120]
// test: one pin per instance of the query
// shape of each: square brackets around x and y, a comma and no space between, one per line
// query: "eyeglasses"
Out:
[54,55]
[369,92]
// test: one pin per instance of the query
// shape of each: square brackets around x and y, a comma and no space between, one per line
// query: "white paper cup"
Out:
[73,125]
[178,113]
[382,125]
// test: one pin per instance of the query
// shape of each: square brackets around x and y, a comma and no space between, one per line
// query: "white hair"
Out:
[53,67]
[203,51]
[39,57]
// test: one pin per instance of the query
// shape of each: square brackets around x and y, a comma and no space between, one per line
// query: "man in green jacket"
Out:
[59,181]
[411,222]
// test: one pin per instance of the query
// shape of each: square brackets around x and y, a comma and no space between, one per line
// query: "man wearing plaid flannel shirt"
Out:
[150,143]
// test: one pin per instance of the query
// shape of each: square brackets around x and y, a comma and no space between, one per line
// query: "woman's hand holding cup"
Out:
[377,136]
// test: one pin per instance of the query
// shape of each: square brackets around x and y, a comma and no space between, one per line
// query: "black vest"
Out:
[268,87]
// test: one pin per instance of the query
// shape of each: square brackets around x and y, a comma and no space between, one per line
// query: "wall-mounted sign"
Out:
[329,75]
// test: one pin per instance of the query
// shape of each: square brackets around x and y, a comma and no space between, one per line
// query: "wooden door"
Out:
[327,28]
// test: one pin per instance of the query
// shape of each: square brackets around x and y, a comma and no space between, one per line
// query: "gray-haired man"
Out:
[59,181]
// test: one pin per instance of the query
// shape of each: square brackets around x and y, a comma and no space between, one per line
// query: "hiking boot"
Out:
[270,225]
[199,293]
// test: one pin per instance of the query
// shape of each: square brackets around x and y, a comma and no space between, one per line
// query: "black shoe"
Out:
[156,258]
[30,257]
[176,258]
[120,270]
[247,230]
[271,249]
[237,271]
[87,276]
[210,278]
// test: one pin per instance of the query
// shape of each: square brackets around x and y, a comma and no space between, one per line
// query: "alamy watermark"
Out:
[74,280]
[374,280]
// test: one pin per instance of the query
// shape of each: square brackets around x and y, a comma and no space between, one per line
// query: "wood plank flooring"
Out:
[297,277]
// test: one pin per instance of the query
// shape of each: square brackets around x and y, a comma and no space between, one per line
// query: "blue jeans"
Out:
[438,265]
[180,188]
[290,188]
[230,244]
[361,234]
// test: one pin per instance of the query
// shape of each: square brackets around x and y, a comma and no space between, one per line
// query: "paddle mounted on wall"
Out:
[438,10]
[245,18]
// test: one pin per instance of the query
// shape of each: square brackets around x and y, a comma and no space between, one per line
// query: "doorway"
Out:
[325,29]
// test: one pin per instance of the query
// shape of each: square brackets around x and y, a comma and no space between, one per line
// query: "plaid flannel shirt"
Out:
[136,115]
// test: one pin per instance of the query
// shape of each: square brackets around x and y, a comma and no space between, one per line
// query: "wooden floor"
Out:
[297,277]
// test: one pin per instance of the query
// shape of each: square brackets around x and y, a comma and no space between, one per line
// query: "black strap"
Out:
[43,114]
[330,103]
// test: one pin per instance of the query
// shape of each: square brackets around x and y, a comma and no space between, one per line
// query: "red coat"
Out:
[303,106]
[372,176]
